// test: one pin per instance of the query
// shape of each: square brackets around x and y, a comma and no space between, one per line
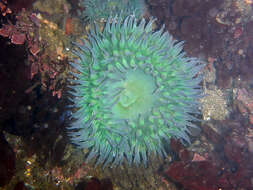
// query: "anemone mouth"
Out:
[136,95]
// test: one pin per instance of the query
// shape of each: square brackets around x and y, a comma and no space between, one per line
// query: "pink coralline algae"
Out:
[245,103]
[228,167]
[11,32]
[25,32]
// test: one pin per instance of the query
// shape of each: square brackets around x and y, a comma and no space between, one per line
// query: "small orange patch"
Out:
[72,26]
[68,26]
[249,1]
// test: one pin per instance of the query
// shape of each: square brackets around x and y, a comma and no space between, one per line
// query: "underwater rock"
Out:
[7,161]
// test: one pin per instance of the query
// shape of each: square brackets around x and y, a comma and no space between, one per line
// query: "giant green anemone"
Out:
[135,89]
[95,10]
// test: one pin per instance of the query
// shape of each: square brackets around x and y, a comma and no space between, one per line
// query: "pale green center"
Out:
[137,96]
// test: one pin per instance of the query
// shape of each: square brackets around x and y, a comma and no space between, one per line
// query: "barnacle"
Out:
[134,91]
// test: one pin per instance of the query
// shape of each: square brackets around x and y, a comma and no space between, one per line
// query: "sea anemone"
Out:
[135,89]
[96,10]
